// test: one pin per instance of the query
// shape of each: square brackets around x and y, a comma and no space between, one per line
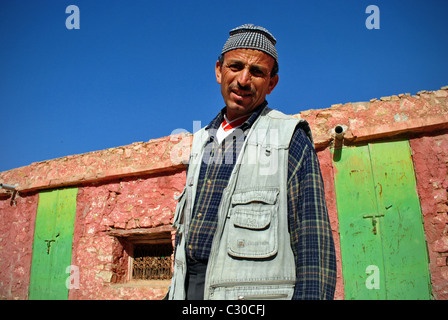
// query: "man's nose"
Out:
[244,78]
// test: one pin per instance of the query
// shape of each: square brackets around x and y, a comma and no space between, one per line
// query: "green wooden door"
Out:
[383,246]
[52,246]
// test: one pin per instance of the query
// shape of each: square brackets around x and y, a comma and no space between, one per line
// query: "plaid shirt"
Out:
[310,231]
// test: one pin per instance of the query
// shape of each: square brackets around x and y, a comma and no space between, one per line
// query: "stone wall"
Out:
[430,155]
[16,242]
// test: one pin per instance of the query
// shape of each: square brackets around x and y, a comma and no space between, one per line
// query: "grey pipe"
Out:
[7,186]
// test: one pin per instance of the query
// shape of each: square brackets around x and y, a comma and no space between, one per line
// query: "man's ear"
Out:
[272,83]
[218,69]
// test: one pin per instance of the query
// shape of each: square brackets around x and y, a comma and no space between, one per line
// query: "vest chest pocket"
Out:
[253,228]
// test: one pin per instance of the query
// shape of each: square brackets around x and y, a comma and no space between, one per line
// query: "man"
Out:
[252,221]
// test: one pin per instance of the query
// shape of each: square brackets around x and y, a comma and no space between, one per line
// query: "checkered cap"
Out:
[249,36]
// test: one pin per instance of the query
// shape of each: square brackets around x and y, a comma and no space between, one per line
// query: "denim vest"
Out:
[251,256]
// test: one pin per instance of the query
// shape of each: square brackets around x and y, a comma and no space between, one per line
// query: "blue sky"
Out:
[137,70]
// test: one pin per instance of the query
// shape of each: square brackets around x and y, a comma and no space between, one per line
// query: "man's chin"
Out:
[236,110]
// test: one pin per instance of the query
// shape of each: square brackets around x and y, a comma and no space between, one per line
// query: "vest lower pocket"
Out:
[264,296]
[262,290]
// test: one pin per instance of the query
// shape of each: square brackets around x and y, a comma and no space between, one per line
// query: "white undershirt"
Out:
[221,134]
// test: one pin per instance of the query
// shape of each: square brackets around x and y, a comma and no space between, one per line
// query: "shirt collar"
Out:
[216,122]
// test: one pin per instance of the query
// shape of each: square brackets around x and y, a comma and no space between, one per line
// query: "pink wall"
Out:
[326,165]
[430,155]
[16,242]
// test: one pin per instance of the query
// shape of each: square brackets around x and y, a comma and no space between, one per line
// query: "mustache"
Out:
[238,87]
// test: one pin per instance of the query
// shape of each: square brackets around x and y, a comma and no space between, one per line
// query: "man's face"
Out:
[245,79]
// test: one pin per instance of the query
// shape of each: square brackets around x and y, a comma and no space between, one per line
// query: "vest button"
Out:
[209,182]
[199,215]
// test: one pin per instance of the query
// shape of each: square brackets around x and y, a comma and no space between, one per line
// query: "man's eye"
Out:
[235,67]
[257,72]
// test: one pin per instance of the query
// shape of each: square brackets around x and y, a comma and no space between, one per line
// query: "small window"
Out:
[142,257]
[152,261]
